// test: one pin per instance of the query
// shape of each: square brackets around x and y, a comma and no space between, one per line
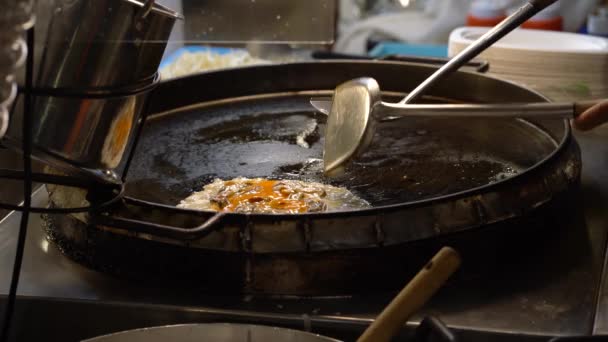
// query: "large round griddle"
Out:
[411,160]
[425,178]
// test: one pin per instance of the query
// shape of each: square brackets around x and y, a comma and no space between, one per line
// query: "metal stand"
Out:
[101,195]
[106,194]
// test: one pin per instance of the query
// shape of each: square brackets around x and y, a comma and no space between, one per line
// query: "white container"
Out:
[597,24]
[563,66]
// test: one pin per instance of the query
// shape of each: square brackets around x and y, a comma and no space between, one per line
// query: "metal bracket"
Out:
[148,5]
[134,225]
[481,66]
[432,329]
[142,14]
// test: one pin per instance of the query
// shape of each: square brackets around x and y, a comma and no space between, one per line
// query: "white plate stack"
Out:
[563,66]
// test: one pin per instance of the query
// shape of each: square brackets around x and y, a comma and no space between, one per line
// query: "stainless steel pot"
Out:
[100,59]
[218,332]
[85,136]
[113,43]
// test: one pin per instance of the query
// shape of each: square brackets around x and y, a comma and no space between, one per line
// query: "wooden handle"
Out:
[415,294]
[581,106]
[591,113]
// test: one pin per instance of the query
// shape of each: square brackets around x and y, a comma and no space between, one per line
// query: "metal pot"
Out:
[99,61]
[429,329]
[99,44]
[218,332]
[85,136]
[322,253]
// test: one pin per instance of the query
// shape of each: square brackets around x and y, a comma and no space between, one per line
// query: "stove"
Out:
[556,288]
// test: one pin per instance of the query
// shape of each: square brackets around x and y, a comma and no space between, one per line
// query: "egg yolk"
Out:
[264,194]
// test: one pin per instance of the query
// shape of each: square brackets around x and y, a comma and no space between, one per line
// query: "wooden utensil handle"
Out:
[413,296]
[588,114]
[582,106]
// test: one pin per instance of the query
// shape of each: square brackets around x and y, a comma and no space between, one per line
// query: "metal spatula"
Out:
[356,108]
[349,128]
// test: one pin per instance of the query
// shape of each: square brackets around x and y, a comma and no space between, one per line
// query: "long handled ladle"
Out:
[352,112]
[357,107]
[413,296]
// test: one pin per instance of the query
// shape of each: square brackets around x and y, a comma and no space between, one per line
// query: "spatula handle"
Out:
[415,294]
[391,111]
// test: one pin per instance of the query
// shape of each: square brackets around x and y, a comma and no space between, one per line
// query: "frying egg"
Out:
[260,195]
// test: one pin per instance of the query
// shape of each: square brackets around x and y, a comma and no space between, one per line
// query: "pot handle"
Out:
[210,225]
[480,66]
[143,13]
[147,8]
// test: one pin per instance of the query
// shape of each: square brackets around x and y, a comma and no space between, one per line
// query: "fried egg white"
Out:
[260,195]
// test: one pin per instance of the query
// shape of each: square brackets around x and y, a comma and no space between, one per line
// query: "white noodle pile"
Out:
[193,62]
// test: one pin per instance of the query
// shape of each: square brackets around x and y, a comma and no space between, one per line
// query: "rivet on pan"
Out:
[307,324]
[480,210]
[245,235]
[380,234]
[570,169]
[546,186]
[248,273]
[566,179]
[437,228]
[305,227]
[546,183]
[247,246]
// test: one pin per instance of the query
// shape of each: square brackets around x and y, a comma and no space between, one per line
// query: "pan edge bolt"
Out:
[380,233]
